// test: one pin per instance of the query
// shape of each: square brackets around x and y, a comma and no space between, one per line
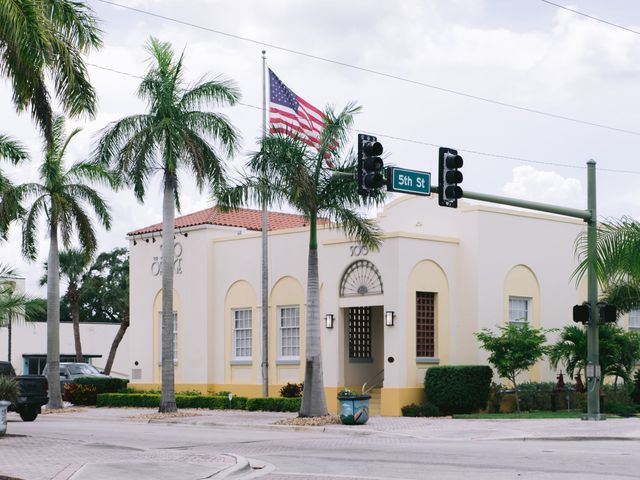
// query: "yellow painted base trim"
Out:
[393,399]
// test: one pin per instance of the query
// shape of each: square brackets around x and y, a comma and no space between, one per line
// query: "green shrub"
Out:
[79,394]
[271,404]
[635,394]
[182,401]
[619,394]
[458,389]
[536,396]
[620,409]
[291,390]
[103,384]
[9,389]
[425,410]
[496,395]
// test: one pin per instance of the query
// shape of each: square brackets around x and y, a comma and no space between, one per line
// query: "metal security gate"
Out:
[360,333]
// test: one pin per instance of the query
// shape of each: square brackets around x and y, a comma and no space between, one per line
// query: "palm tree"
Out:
[174,135]
[74,263]
[297,177]
[619,350]
[63,197]
[570,349]
[10,208]
[14,306]
[46,38]
[617,262]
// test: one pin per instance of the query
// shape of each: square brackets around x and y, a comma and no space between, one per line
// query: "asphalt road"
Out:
[321,455]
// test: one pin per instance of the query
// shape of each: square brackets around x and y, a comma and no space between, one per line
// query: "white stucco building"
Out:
[443,273]
[26,343]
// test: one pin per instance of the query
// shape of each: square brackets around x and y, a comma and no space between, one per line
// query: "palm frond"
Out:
[214,125]
[12,150]
[217,92]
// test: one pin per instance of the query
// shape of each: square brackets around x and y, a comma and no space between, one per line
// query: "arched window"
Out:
[361,278]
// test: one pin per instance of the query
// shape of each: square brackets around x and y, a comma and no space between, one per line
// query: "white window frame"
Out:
[520,320]
[282,329]
[634,319]
[235,337]
[175,338]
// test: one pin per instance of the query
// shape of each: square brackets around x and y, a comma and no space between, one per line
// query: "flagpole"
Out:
[265,258]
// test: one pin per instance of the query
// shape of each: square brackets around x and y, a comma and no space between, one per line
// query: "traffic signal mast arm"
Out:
[514,202]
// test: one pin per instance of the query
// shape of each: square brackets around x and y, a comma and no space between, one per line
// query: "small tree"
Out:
[514,350]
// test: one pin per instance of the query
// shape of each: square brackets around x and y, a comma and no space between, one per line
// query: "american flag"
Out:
[292,115]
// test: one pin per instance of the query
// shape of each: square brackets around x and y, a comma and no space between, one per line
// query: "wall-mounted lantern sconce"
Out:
[389,317]
[328,320]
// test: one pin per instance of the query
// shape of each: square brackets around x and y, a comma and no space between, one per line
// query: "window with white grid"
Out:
[289,318]
[634,319]
[175,338]
[519,308]
[241,319]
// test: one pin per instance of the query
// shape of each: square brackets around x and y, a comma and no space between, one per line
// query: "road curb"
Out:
[574,438]
[240,470]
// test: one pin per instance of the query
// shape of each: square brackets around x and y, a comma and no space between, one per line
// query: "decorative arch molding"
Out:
[522,277]
[361,278]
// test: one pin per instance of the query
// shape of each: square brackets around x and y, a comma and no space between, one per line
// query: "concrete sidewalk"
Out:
[426,428]
[436,428]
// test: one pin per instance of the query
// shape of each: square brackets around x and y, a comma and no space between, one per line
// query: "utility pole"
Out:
[590,217]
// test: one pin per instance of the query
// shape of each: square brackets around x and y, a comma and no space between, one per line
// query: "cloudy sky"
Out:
[402,61]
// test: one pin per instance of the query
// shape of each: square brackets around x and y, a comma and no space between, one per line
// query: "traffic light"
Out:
[581,313]
[608,313]
[370,165]
[449,177]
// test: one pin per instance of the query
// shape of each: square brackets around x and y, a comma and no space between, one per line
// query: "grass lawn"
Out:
[523,415]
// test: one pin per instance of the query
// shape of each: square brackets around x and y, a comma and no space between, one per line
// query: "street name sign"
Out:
[408,181]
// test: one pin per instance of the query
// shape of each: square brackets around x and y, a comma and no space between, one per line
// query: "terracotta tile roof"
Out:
[242,218]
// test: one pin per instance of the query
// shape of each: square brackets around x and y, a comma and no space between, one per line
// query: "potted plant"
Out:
[354,407]
[8,394]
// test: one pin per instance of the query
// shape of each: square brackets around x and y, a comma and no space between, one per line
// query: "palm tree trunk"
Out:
[75,318]
[313,399]
[168,394]
[116,342]
[53,321]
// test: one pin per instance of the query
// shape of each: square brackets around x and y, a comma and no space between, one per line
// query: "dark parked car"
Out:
[69,371]
[33,393]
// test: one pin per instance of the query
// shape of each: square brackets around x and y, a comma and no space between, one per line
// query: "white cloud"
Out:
[529,183]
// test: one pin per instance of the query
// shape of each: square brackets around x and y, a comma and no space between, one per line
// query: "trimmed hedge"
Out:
[458,389]
[424,410]
[182,401]
[79,394]
[274,404]
[103,384]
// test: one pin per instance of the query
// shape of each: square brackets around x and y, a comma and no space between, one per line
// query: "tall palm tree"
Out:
[46,38]
[297,177]
[10,208]
[64,198]
[74,263]
[175,134]
[617,262]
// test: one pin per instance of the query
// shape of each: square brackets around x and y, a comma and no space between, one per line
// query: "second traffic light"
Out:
[449,177]
[370,165]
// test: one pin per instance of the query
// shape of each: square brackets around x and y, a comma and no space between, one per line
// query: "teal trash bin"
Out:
[354,408]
